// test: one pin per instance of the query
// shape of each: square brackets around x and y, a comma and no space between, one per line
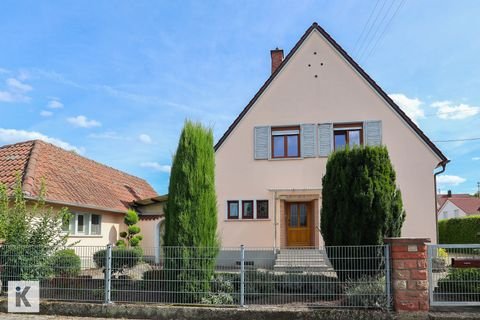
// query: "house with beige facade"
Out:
[271,160]
[96,195]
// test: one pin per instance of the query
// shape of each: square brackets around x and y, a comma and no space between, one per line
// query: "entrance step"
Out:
[302,261]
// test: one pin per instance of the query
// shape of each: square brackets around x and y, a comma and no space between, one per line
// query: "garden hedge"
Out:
[459,230]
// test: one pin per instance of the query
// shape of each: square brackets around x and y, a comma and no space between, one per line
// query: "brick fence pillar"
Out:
[409,274]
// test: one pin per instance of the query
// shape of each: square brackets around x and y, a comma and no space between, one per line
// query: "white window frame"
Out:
[75,222]
[91,224]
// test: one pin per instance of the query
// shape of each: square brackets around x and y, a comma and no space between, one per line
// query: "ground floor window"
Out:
[83,224]
[247,209]
[262,209]
[232,209]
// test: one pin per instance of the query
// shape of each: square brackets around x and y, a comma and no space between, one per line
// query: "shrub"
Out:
[191,213]
[262,284]
[465,281]
[131,237]
[122,258]
[66,263]
[366,292]
[153,280]
[32,233]
[361,205]
[459,230]
[222,290]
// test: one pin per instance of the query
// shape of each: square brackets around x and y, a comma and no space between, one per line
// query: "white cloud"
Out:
[45,113]
[156,166]
[6,96]
[15,92]
[17,86]
[13,136]
[55,104]
[447,180]
[83,122]
[475,158]
[145,138]
[449,110]
[411,106]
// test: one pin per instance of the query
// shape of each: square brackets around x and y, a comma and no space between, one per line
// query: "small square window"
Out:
[262,209]
[232,209]
[247,209]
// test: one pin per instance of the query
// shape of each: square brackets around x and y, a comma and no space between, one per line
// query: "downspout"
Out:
[275,221]
[444,165]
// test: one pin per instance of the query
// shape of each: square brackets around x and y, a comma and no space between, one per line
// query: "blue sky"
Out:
[115,80]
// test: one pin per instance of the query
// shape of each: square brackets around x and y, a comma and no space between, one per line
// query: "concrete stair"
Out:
[302,261]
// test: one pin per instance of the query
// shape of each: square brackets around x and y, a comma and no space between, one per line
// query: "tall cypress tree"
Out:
[191,213]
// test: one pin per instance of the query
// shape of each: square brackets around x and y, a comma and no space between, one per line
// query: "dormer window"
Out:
[286,142]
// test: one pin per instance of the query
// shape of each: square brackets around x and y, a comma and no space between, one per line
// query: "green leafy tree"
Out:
[32,233]
[191,213]
[131,237]
[361,204]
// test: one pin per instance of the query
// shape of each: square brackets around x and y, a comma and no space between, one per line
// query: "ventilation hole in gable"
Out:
[316,76]
[321,63]
[309,65]
[315,52]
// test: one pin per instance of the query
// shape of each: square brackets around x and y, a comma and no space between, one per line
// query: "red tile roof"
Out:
[442,198]
[69,177]
[469,205]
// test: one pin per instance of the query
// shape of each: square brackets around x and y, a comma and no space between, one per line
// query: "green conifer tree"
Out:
[191,243]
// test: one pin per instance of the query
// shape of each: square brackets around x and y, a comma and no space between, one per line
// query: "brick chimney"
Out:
[449,194]
[277,58]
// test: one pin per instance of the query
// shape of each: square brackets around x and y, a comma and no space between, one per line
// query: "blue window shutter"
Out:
[373,133]
[308,140]
[262,143]
[325,139]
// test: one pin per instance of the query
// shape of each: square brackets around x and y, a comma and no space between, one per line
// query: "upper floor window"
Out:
[350,134]
[286,142]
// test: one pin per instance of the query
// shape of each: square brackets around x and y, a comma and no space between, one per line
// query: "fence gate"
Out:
[454,274]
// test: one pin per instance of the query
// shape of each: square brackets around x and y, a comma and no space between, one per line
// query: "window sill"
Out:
[84,236]
[246,220]
[286,159]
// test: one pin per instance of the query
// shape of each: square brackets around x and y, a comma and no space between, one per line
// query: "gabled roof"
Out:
[345,55]
[70,178]
[470,205]
[442,198]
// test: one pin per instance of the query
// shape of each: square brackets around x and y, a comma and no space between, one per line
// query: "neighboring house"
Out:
[459,205]
[442,198]
[152,218]
[96,195]
[271,160]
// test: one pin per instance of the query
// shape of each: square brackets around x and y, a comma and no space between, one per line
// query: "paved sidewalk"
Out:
[16,316]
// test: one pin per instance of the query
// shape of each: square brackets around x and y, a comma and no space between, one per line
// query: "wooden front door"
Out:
[299,224]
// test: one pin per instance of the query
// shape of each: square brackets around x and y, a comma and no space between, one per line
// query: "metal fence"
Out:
[454,274]
[353,276]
